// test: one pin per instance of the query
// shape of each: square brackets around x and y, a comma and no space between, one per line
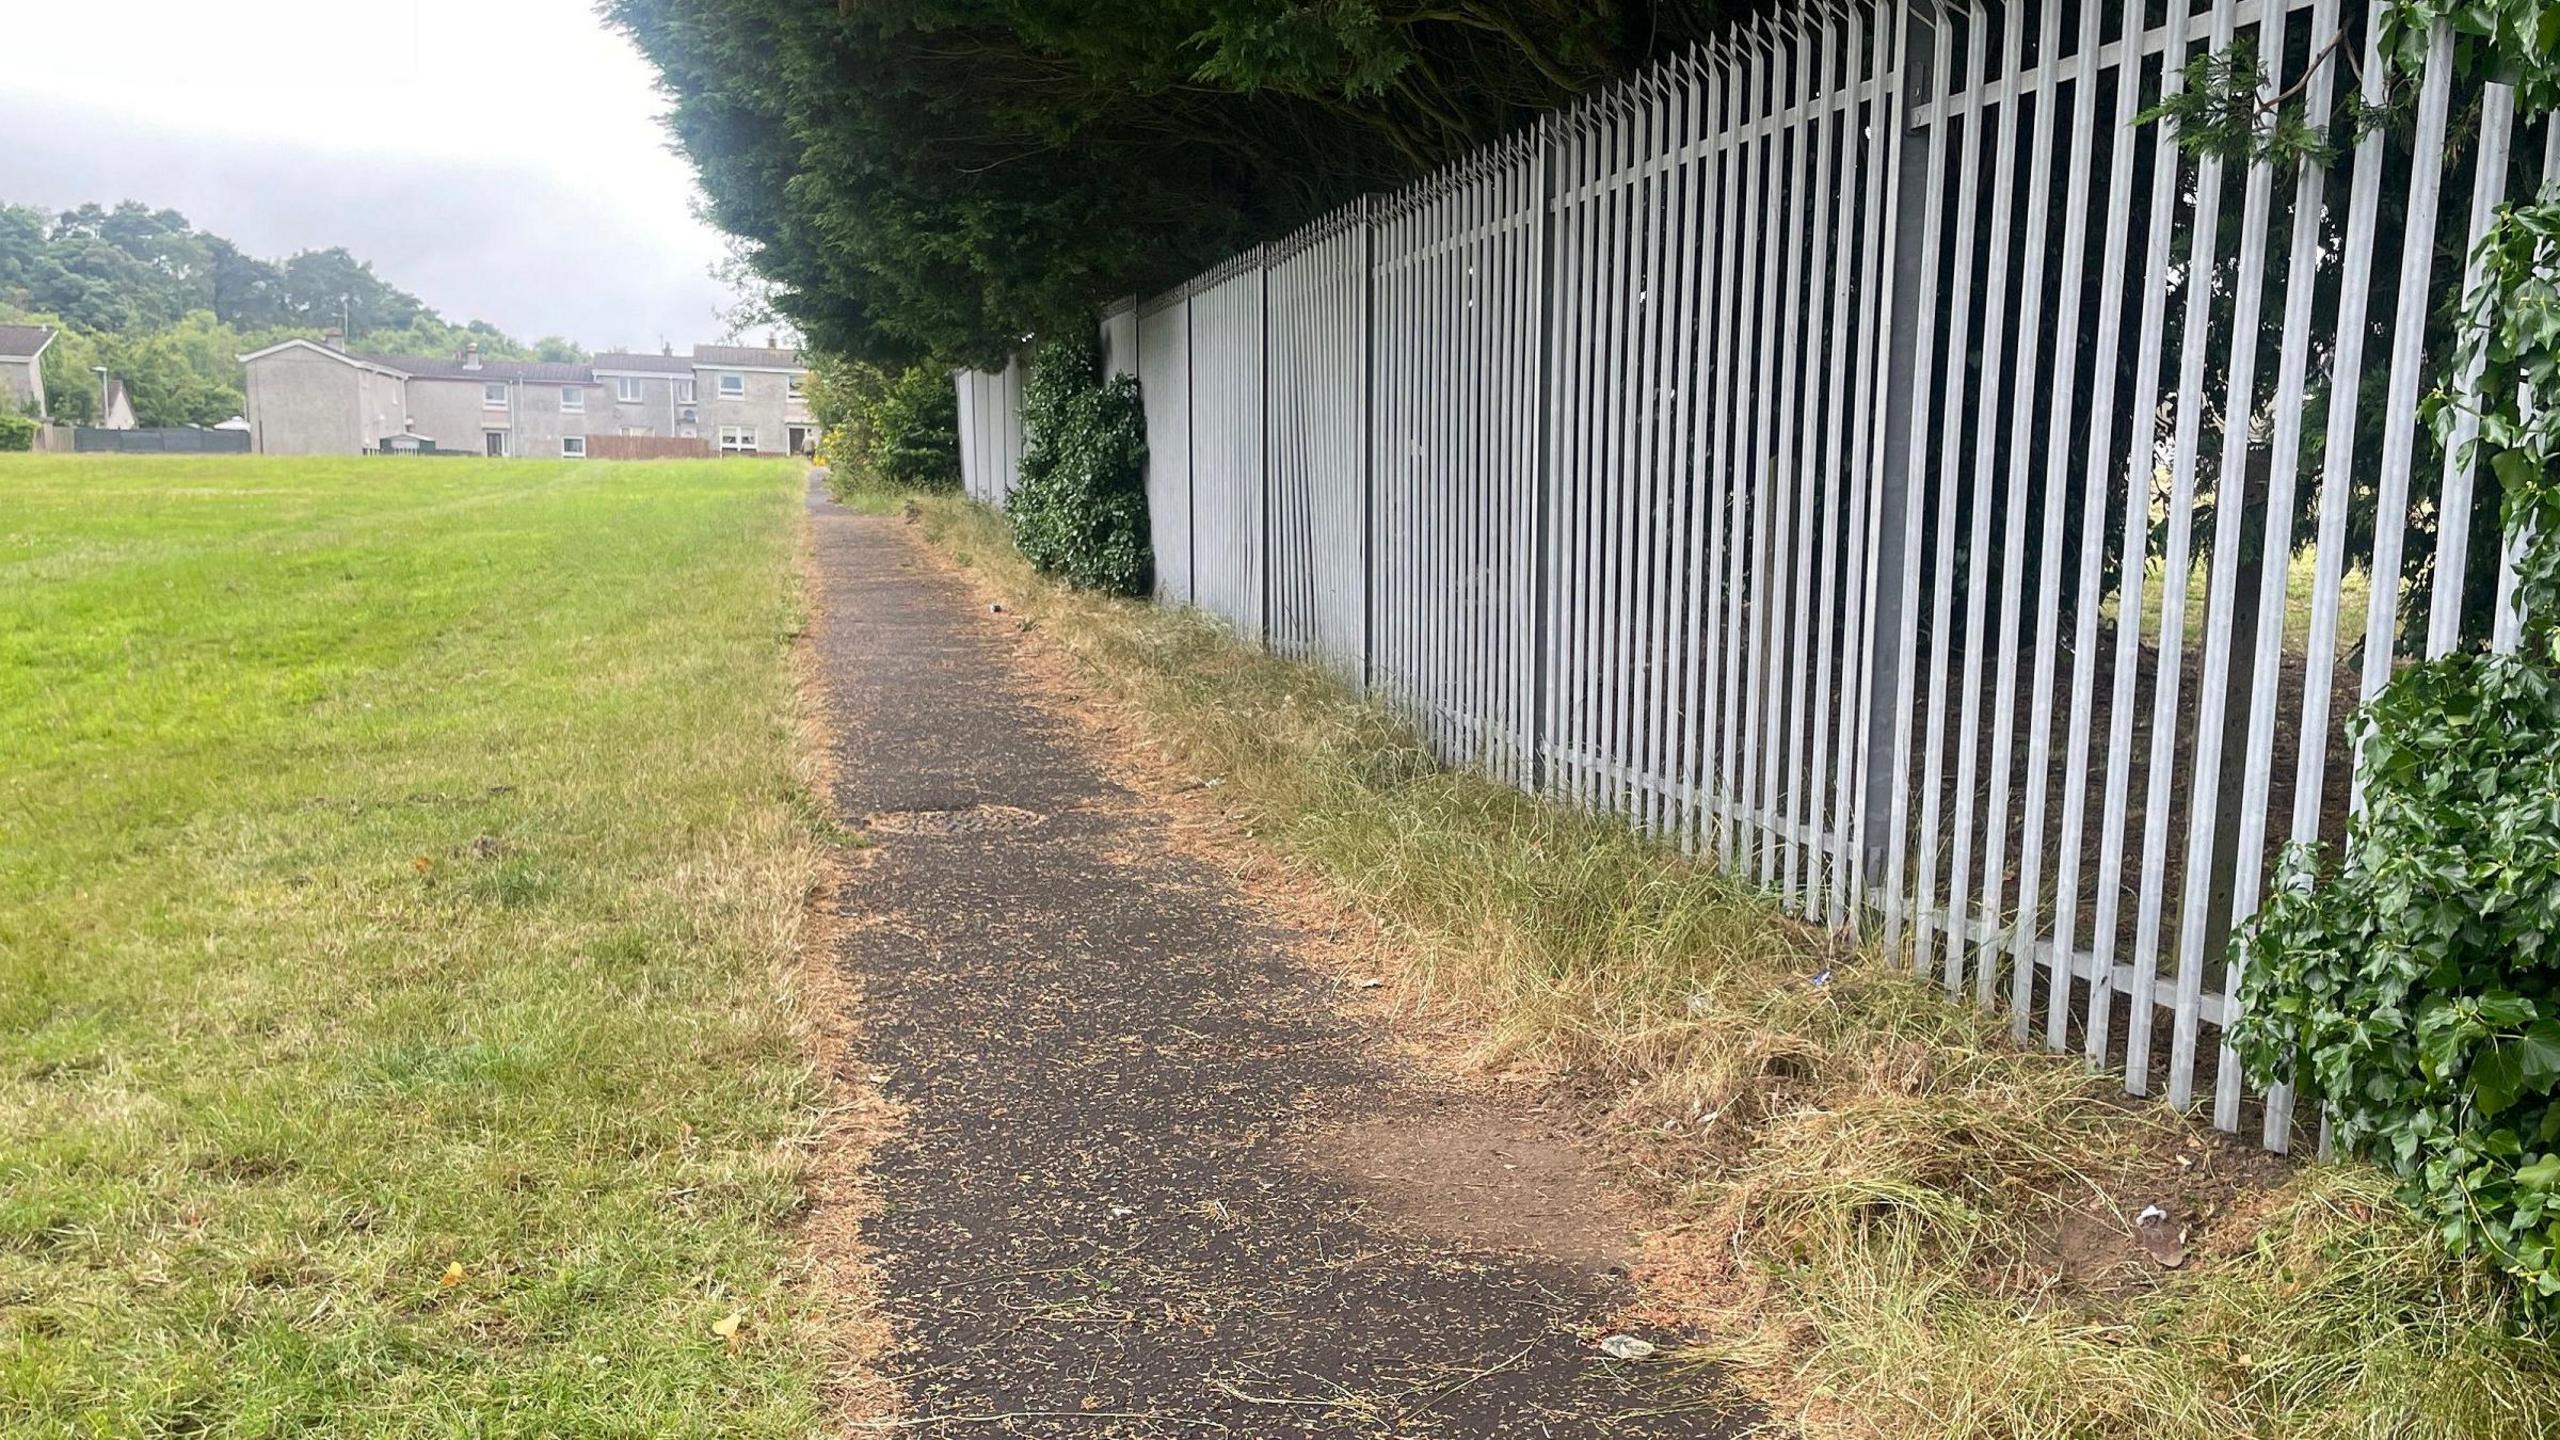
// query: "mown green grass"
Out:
[400,867]
[1867,1176]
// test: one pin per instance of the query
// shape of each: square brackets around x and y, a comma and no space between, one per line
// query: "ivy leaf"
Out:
[2496,1078]
[2502,1009]
[2538,1056]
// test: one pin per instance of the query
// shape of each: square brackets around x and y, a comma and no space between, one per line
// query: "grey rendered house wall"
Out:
[654,413]
[455,414]
[451,413]
[767,408]
[542,420]
[304,400]
[22,381]
[305,403]
[383,406]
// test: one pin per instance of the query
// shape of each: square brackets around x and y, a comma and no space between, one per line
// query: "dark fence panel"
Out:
[173,440]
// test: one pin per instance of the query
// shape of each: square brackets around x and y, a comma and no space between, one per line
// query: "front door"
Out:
[497,442]
[799,435]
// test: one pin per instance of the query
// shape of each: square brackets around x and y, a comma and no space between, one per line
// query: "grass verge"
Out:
[1899,1224]
[402,867]
[857,492]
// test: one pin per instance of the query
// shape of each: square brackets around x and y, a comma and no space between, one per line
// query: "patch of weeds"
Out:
[866,501]
[842,837]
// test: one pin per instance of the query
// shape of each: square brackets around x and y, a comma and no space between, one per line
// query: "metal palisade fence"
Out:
[1866,451]
[990,432]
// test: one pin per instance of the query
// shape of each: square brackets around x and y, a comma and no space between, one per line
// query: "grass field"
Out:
[400,867]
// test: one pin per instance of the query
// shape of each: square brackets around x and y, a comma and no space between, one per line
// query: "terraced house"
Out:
[22,367]
[311,397]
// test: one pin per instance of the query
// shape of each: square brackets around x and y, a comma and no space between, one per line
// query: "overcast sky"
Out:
[502,159]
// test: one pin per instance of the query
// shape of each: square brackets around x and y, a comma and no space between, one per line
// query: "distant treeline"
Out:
[169,309]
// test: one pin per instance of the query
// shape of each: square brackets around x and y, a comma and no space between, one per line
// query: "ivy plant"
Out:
[2411,984]
[2513,41]
[1080,509]
[2511,341]
[2414,988]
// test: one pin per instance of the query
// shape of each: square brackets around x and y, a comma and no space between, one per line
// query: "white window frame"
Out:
[733,385]
[573,400]
[626,389]
[738,439]
[797,385]
[493,394]
[684,391]
[573,447]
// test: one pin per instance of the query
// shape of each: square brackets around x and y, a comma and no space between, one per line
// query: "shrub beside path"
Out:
[1152,1180]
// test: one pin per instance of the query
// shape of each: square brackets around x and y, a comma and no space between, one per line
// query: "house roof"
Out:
[756,355]
[24,342]
[315,347]
[442,367]
[531,372]
[446,367]
[643,364]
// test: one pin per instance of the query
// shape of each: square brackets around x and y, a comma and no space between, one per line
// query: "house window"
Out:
[626,388]
[684,391]
[688,415]
[733,386]
[493,396]
[573,447]
[572,398]
[737,437]
[796,382]
[688,432]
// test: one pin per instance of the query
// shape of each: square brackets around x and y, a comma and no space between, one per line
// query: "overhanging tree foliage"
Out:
[942,177]
[895,430]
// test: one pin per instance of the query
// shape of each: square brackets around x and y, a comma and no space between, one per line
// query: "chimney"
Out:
[666,350]
[335,339]
[772,341]
[471,355]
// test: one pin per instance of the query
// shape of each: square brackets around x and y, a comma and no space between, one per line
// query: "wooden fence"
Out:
[647,447]
[1861,450]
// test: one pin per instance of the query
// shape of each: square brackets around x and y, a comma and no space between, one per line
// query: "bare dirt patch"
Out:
[1476,1178]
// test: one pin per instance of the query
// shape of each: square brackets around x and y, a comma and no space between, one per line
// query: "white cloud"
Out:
[504,159]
